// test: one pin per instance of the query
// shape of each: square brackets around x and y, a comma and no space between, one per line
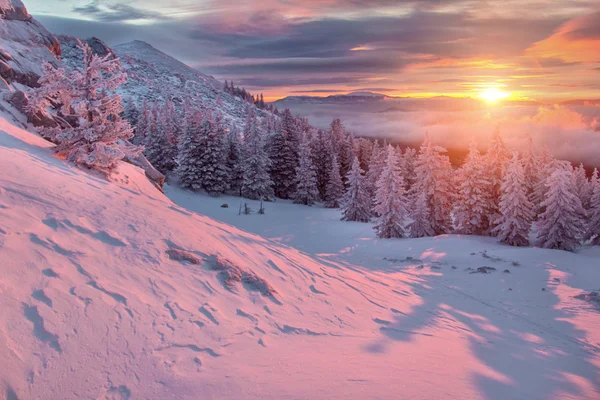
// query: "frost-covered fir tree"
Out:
[257,181]
[322,152]
[474,203]
[546,165]
[131,113]
[283,152]
[496,157]
[409,158]
[593,226]
[516,211]
[435,181]
[235,161]
[561,226]
[306,177]
[421,222]
[335,185]
[161,142]
[213,155]
[376,165]
[99,139]
[390,199]
[189,153]
[583,186]
[356,205]
[530,168]
[143,120]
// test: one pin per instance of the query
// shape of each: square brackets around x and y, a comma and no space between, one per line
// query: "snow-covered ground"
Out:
[94,303]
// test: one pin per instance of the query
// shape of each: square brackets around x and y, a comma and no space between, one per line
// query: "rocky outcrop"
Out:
[20,101]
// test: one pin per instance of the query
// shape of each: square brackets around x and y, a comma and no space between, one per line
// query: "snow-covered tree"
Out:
[306,178]
[474,203]
[584,189]
[161,143]
[435,178]
[516,210]
[144,122]
[131,113]
[593,226]
[283,151]
[356,203]
[213,154]
[189,153]
[98,140]
[376,165]
[497,158]
[561,226]
[235,161]
[421,222]
[322,152]
[390,199]
[335,185]
[530,168]
[409,160]
[546,165]
[257,181]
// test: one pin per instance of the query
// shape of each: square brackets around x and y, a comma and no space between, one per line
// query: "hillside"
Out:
[109,290]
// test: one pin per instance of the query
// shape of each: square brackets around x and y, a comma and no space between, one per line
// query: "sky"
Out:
[542,50]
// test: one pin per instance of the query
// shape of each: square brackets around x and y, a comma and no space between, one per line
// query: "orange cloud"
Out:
[576,41]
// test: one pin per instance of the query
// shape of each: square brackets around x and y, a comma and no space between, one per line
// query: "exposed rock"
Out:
[183,256]
[16,11]
[507,271]
[19,101]
[591,297]
[483,270]
[225,205]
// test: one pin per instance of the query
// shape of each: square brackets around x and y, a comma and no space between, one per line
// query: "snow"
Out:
[108,289]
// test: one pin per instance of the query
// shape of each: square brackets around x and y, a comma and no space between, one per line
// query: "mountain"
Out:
[155,76]
[349,98]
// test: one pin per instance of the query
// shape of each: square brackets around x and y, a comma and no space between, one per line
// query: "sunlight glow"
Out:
[493,95]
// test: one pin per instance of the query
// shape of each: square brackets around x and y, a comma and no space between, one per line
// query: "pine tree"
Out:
[306,178]
[161,144]
[515,208]
[474,203]
[421,222]
[409,163]
[546,165]
[131,113]
[257,181]
[583,186]
[335,185]
[593,226]
[283,151]
[435,181]
[496,157]
[530,168]
[376,165]
[189,153]
[100,139]
[561,226]
[322,153]
[356,202]
[235,161]
[390,199]
[213,153]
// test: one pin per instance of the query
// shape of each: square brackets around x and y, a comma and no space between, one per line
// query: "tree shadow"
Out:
[537,355]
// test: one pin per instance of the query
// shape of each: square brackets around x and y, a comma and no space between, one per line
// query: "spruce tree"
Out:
[516,210]
[335,185]
[583,186]
[530,168]
[496,157]
[376,165]
[213,155]
[593,226]
[390,199]
[189,153]
[356,202]
[435,181]
[322,153]
[474,203]
[561,226]
[283,151]
[546,165]
[257,181]
[235,161]
[421,222]
[161,144]
[306,177]
[409,158]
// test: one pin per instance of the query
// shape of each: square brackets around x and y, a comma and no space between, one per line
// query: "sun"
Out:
[493,95]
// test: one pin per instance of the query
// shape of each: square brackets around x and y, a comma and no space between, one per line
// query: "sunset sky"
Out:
[543,50]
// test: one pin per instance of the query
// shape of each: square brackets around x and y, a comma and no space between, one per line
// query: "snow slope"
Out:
[95,305]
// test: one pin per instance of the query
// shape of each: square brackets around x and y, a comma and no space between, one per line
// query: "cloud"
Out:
[578,40]
[116,12]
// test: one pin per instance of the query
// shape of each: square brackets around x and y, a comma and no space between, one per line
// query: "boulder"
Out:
[19,100]
[15,12]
